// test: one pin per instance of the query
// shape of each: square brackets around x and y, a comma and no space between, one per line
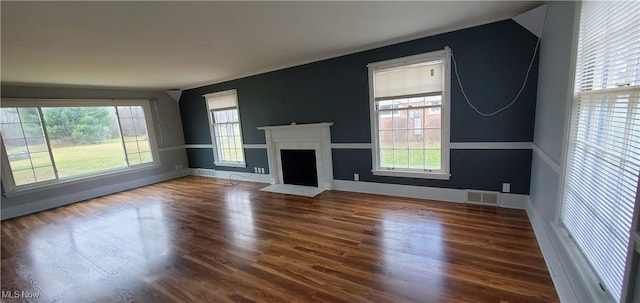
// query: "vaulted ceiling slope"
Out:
[164,45]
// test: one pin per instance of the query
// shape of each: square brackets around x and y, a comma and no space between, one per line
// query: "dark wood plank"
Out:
[199,240]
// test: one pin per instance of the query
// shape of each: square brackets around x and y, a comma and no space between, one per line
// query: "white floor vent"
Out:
[482,197]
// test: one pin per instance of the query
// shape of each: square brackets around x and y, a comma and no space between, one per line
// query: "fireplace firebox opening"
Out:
[299,167]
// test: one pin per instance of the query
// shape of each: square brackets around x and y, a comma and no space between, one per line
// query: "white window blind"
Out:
[408,80]
[603,161]
[222,100]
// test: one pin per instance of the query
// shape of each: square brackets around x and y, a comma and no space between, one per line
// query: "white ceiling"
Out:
[165,45]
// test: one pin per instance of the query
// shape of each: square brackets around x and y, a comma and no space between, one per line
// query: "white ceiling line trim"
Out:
[491,145]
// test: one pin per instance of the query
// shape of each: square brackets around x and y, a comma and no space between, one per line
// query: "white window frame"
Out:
[7,177]
[216,161]
[593,284]
[444,172]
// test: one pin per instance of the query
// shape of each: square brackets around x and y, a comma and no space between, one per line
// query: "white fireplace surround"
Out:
[315,136]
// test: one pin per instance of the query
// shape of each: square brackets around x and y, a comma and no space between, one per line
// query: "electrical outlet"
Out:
[506,187]
[255,169]
[356,177]
[262,170]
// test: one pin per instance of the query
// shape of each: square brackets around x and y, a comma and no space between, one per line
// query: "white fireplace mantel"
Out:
[313,136]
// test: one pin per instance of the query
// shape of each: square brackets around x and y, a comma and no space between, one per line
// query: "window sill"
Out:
[589,280]
[231,164]
[411,174]
[78,180]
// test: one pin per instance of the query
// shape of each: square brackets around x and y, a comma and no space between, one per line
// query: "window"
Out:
[410,116]
[226,133]
[603,158]
[48,141]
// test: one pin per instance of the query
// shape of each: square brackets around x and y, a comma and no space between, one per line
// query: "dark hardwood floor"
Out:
[196,240]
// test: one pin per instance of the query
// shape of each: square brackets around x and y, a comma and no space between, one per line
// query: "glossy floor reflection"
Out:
[197,240]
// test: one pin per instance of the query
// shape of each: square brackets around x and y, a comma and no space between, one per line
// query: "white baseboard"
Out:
[554,265]
[398,190]
[517,201]
[224,174]
[57,201]
[423,192]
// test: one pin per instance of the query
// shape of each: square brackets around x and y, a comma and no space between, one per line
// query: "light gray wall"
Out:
[554,94]
[169,135]
[555,78]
